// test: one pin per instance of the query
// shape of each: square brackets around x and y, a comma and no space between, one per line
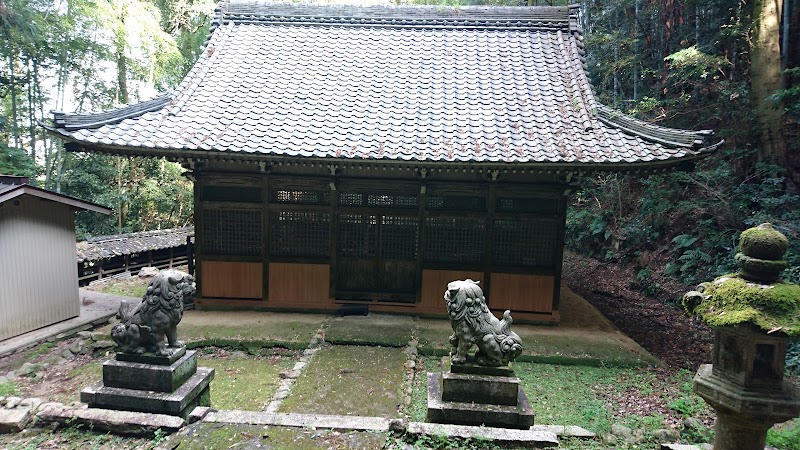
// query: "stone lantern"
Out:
[753,312]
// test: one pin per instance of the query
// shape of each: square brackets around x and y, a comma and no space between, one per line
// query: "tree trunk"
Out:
[14,127]
[765,75]
[122,61]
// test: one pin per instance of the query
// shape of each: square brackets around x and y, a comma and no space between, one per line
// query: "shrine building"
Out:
[349,155]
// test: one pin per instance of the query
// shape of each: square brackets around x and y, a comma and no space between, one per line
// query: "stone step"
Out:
[194,392]
[149,377]
[520,416]
[119,422]
[489,389]
[518,438]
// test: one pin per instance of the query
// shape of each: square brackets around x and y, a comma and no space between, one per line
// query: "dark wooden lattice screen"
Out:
[301,196]
[378,200]
[454,239]
[527,205]
[399,237]
[530,243]
[456,202]
[357,235]
[300,234]
[231,232]
[231,194]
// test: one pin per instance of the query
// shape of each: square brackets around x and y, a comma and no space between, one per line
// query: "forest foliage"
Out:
[696,64]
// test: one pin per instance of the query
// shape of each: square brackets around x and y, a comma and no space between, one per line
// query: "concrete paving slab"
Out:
[525,438]
[566,431]
[119,422]
[96,309]
[338,423]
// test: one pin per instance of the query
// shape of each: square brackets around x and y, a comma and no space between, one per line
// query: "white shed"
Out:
[38,275]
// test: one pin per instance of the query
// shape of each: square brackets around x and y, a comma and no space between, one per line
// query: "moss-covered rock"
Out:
[732,299]
[763,242]
[760,269]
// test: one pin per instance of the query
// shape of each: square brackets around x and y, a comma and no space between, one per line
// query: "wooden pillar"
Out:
[334,233]
[266,234]
[423,203]
[488,263]
[198,231]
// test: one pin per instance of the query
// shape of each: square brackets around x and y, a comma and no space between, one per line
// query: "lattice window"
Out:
[232,194]
[456,202]
[454,239]
[399,237]
[378,200]
[525,243]
[299,234]
[392,200]
[357,235]
[533,205]
[231,232]
[302,197]
[351,199]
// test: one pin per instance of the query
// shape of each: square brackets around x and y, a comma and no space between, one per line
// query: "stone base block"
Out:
[520,416]
[475,369]
[194,392]
[468,388]
[149,377]
[151,358]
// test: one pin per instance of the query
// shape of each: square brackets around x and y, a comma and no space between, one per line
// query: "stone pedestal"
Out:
[466,394]
[163,385]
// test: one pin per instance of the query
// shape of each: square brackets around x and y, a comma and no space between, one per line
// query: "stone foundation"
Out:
[173,386]
[473,395]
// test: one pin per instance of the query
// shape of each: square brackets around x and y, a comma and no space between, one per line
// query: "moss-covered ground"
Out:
[202,436]
[351,381]
[550,344]
[375,329]
[243,381]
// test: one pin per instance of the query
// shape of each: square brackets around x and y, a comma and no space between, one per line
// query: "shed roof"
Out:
[101,247]
[416,84]
[10,190]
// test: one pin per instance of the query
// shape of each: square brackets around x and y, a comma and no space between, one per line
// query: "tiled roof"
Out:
[102,247]
[488,85]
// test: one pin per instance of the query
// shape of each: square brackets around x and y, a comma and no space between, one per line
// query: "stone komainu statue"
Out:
[151,325]
[474,324]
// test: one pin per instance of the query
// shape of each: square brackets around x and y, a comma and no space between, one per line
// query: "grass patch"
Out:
[202,436]
[8,388]
[236,327]
[374,329]
[785,436]
[71,438]
[244,382]
[342,380]
[565,395]
[130,287]
[40,350]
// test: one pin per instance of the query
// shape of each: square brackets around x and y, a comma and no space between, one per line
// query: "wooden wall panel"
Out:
[301,284]
[231,279]
[529,293]
[434,283]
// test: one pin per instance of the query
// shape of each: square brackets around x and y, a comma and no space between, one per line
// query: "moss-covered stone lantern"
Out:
[754,312]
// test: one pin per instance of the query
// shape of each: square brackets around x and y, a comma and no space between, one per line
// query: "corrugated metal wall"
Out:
[38,274]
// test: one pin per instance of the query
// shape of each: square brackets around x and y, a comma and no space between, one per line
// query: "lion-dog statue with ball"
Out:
[474,324]
[151,325]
